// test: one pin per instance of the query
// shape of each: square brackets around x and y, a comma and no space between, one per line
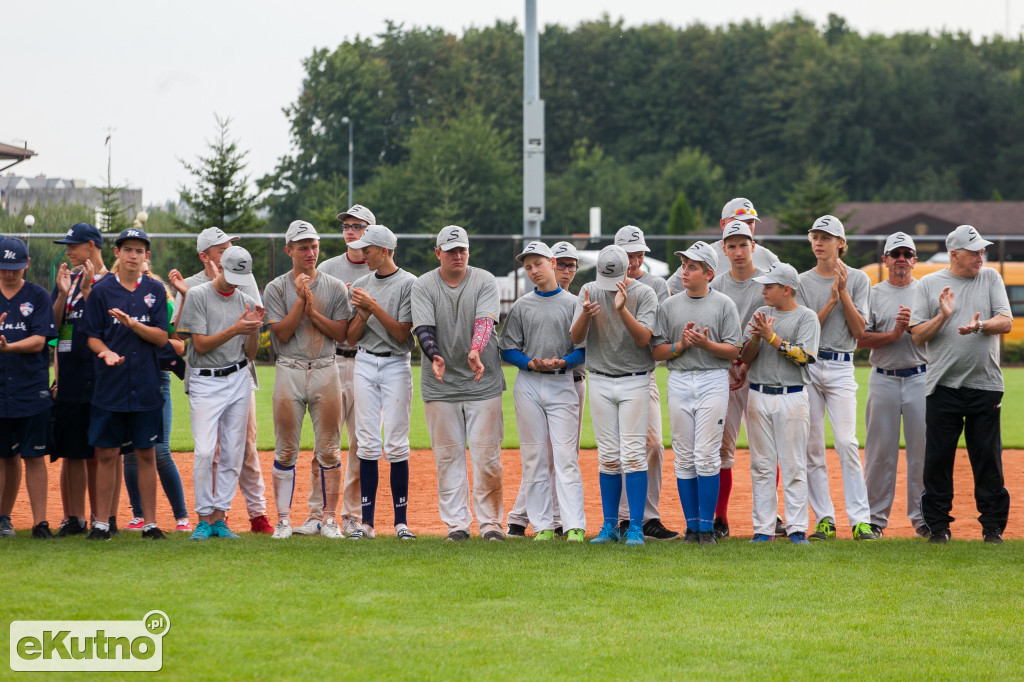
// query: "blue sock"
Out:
[688,497]
[611,491]
[399,489]
[707,487]
[368,474]
[636,496]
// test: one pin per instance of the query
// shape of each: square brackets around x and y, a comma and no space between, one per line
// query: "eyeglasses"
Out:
[352,227]
[570,267]
[901,253]
[744,211]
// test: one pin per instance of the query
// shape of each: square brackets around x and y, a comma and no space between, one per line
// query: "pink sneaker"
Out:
[183,526]
[135,524]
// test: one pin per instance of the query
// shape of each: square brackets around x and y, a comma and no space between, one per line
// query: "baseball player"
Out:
[308,313]
[615,317]
[698,334]
[839,296]
[454,308]
[26,324]
[381,328]
[566,264]
[631,240]
[895,389]
[778,406]
[126,322]
[223,325]
[535,339]
[211,245]
[347,267]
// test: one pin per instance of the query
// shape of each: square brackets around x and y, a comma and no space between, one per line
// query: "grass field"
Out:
[181,435]
[312,608]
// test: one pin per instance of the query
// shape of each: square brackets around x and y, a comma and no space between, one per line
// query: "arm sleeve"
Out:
[482,329]
[575,358]
[428,341]
[514,356]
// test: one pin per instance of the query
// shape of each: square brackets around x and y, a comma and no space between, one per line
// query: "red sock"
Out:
[724,488]
[778,475]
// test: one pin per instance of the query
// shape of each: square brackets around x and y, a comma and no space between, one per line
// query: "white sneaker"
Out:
[349,525]
[310,527]
[402,532]
[330,530]
[283,530]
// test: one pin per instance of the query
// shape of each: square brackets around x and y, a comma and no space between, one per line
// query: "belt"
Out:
[557,371]
[296,363]
[829,355]
[775,390]
[223,371]
[909,372]
[577,378]
[345,353]
[379,355]
[617,376]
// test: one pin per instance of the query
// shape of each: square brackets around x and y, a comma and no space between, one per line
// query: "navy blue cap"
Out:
[80,233]
[13,254]
[132,233]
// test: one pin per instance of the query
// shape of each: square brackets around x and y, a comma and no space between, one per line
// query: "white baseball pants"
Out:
[351,499]
[697,405]
[219,410]
[777,432]
[383,396]
[619,409]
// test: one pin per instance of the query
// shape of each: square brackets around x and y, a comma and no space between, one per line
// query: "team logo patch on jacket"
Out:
[150,299]
[26,309]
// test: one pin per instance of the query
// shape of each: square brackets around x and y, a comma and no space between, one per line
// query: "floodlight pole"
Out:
[533,129]
[346,119]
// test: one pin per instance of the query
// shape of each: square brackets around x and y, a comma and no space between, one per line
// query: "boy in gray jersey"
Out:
[536,339]
[381,328]
[454,308]
[839,296]
[778,405]
[308,313]
[895,389]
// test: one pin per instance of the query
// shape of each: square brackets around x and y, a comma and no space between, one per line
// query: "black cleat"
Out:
[721,528]
[559,532]
[623,527]
[71,526]
[153,533]
[940,536]
[41,531]
[993,536]
[494,535]
[876,530]
[113,526]
[691,537]
[780,528]
[707,537]
[516,531]
[655,531]
[457,536]
[97,534]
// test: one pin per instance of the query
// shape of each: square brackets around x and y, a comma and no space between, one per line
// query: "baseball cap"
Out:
[701,251]
[81,233]
[452,237]
[564,250]
[830,224]
[899,240]
[212,236]
[359,212]
[376,235]
[237,266]
[965,237]
[631,239]
[612,264]
[13,254]
[780,273]
[535,249]
[299,230]
[739,209]
[132,233]
[737,228]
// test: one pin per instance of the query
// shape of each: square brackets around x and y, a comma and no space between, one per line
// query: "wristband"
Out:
[773,338]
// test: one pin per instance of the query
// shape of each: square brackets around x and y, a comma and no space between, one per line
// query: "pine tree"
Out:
[817,194]
[111,215]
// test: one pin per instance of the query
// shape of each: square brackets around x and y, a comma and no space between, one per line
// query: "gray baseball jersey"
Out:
[538,325]
[762,257]
[799,327]
[956,360]
[394,294]
[208,312]
[340,267]
[610,348]
[308,343]
[716,311]
[453,312]
[886,300]
[814,292]
[657,283]
[746,295]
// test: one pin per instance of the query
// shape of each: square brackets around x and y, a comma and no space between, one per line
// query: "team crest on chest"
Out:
[26,309]
[149,299]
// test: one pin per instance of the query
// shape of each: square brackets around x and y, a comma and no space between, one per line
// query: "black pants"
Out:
[976,413]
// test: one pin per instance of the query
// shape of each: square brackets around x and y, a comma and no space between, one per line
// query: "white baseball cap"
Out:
[737,228]
[702,252]
[535,249]
[899,240]
[780,273]
[965,237]
[236,264]
[739,209]
[376,235]
[212,236]
[359,212]
[612,264]
[299,230]
[564,250]
[452,237]
[631,239]
[830,224]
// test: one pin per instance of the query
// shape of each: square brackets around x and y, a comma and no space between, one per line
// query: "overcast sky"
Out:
[157,72]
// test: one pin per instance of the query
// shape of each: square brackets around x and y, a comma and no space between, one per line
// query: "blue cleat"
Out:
[634,536]
[609,533]
[761,537]
[221,530]
[799,538]
[203,531]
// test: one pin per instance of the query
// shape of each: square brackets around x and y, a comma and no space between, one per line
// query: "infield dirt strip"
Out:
[423,518]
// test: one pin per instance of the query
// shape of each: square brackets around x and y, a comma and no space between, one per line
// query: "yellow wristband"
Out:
[772,339]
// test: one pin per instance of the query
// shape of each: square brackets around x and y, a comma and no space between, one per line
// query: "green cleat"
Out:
[825,530]
[862,531]
[544,536]
[574,535]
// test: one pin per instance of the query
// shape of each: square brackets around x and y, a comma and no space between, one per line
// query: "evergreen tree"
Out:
[680,221]
[815,195]
[112,216]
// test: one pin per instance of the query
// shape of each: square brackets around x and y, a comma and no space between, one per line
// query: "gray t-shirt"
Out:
[746,294]
[886,300]
[330,297]
[955,360]
[340,267]
[538,325]
[657,283]
[453,312]
[394,294]
[209,312]
[610,348]
[814,292]
[770,367]
[716,311]
[762,257]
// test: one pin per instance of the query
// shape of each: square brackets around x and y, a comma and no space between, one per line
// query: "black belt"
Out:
[379,355]
[345,353]
[577,378]
[829,355]
[223,371]
[775,390]
[909,372]
[617,376]
[556,371]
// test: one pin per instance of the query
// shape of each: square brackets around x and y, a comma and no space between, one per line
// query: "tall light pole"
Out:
[30,220]
[533,128]
[346,119]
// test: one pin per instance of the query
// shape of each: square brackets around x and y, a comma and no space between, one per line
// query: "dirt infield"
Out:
[423,516]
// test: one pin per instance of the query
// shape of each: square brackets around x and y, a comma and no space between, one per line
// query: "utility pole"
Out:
[533,129]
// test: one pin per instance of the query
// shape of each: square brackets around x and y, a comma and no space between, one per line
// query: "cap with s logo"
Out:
[739,209]
[612,264]
[452,237]
[899,240]
[535,249]
[702,252]
[829,224]
[212,236]
[359,212]
[780,273]
[737,228]
[236,264]
[631,239]
[299,230]
[966,237]
[564,250]
[376,235]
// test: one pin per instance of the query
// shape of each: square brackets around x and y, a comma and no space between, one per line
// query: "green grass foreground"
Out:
[311,608]
[181,434]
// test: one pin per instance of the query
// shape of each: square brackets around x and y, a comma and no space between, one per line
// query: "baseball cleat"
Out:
[574,535]
[721,528]
[220,530]
[457,536]
[349,525]
[691,537]
[654,530]
[635,536]
[135,524]
[203,531]
[799,538]
[544,536]
[993,536]
[780,527]
[72,526]
[877,531]
[559,532]
[6,529]
[309,527]
[707,537]
[922,532]
[41,531]
[862,531]
[940,537]
[97,534]
[609,533]
[825,530]
[260,524]
[331,529]
[516,531]
[402,532]
[283,530]
[112,525]
[761,537]
[494,536]
[153,533]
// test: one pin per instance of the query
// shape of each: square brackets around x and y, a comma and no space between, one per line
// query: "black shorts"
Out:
[71,431]
[115,429]
[25,436]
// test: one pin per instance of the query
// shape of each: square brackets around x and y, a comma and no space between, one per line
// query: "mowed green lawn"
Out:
[181,435]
